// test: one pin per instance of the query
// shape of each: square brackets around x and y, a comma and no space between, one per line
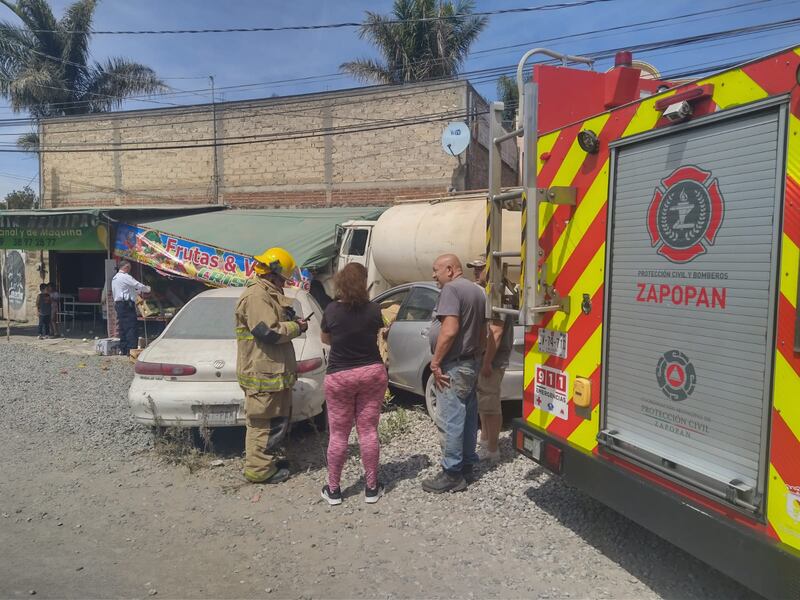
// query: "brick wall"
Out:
[363,167]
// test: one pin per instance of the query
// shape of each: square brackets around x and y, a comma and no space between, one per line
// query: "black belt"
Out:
[124,302]
[466,357]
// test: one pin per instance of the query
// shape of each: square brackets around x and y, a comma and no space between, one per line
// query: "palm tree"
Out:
[45,68]
[509,96]
[422,39]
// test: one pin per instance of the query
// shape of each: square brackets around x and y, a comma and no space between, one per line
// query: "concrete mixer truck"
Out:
[401,245]
[398,250]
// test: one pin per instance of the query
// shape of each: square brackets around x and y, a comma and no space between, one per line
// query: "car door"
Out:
[409,350]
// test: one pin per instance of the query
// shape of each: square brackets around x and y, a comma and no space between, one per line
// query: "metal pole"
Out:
[216,159]
[564,58]
[494,212]
[5,296]
[531,296]
[40,131]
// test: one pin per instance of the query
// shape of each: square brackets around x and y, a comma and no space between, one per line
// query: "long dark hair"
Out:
[351,285]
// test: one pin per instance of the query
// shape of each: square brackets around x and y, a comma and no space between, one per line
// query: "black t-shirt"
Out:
[354,335]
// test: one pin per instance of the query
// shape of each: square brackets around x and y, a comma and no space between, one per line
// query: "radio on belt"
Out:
[582,396]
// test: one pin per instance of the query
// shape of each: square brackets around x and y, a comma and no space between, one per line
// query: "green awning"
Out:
[76,229]
[309,234]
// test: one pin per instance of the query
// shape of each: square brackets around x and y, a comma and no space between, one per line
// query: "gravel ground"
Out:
[90,508]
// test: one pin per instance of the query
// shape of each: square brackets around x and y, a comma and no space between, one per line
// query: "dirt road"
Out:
[91,509]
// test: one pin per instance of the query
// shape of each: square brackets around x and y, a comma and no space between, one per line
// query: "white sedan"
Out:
[187,376]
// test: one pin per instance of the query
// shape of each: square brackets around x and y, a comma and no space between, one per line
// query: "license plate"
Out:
[553,342]
[217,414]
[533,446]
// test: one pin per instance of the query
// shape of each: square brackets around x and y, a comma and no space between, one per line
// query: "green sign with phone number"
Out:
[58,238]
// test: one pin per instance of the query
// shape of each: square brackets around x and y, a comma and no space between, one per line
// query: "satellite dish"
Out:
[455,138]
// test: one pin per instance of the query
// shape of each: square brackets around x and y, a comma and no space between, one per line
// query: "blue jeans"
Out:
[44,324]
[457,415]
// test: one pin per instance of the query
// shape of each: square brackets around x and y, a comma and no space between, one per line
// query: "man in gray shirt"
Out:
[456,336]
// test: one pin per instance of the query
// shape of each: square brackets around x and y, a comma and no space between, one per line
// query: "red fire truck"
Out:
[660,255]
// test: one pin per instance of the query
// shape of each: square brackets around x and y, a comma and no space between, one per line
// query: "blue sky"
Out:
[185,61]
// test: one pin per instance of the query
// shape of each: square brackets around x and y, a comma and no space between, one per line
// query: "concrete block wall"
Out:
[270,152]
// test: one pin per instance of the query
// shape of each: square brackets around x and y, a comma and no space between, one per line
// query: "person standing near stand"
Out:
[43,308]
[55,301]
[124,289]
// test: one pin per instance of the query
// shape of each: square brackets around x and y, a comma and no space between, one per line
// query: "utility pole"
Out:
[215,177]
[6,307]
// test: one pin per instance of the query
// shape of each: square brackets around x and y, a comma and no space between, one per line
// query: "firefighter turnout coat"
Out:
[264,331]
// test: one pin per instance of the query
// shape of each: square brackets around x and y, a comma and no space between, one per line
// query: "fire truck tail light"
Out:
[519,440]
[552,458]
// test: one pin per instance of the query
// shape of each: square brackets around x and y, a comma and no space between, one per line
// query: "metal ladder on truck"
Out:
[536,297]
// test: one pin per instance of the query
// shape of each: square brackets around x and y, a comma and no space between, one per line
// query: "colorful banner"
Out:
[186,258]
[54,238]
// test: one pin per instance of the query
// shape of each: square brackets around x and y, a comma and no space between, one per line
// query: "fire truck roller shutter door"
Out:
[693,253]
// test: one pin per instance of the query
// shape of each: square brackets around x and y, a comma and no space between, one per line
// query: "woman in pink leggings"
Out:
[355,382]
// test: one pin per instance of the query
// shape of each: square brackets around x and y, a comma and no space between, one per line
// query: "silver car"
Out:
[409,350]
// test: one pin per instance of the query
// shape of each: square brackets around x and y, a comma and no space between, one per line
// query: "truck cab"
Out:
[356,246]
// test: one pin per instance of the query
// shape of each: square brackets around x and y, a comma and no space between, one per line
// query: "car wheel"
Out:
[430,397]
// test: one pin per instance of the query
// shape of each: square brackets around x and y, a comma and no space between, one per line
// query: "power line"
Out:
[346,129]
[223,142]
[177,92]
[488,13]
[665,20]
[283,136]
[442,115]
[481,75]
[313,78]
[278,137]
[259,138]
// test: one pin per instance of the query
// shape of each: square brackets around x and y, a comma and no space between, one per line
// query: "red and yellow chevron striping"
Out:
[573,240]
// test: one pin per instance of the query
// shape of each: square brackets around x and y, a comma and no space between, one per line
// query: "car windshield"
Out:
[208,319]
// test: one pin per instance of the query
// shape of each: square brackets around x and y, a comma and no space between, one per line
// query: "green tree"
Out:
[420,40]
[20,199]
[508,94]
[45,66]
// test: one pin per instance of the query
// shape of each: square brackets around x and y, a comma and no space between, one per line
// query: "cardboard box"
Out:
[106,346]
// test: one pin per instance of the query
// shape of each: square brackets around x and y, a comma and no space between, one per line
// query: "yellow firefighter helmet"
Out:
[275,260]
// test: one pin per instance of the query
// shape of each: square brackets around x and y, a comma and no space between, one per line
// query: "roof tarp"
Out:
[218,247]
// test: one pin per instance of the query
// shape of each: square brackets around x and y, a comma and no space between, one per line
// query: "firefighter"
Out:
[265,364]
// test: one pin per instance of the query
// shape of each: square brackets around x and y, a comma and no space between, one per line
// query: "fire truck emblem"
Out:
[685,214]
[675,375]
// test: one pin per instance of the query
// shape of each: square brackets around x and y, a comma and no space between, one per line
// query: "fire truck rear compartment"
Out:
[694,221]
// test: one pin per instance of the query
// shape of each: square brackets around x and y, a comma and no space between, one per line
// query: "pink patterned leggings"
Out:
[354,396]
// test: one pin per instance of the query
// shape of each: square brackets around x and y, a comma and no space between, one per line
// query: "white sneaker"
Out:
[490,457]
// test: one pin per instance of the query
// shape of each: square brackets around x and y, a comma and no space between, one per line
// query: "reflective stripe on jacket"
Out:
[260,365]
